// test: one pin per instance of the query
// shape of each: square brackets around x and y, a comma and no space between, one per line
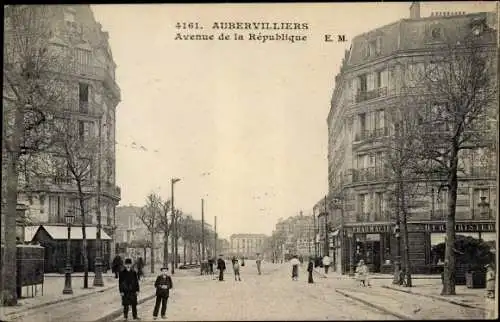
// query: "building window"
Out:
[83,91]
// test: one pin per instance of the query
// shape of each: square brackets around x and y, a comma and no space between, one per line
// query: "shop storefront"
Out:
[376,244]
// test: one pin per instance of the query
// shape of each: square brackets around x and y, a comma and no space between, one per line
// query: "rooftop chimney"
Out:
[415,10]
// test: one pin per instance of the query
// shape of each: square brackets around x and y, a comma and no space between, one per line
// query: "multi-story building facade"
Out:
[91,98]
[247,245]
[361,220]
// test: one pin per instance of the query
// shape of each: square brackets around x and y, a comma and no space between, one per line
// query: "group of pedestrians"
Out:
[118,265]
[236,263]
[295,262]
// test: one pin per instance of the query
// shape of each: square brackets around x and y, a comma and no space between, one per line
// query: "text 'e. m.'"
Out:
[335,38]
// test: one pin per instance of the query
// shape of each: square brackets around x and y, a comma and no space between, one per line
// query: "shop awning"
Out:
[489,236]
[61,232]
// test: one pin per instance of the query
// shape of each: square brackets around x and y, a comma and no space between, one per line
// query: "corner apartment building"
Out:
[92,98]
[361,221]
[247,245]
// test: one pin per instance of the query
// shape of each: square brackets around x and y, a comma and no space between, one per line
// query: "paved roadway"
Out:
[271,296]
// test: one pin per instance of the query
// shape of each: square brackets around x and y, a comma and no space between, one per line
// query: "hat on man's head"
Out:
[128,261]
[164,268]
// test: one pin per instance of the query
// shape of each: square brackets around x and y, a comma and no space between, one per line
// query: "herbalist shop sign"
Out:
[463,228]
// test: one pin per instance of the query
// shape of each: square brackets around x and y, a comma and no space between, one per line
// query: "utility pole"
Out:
[215,228]
[315,235]
[202,230]
[327,245]
[98,281]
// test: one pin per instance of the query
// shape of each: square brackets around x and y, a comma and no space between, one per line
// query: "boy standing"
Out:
[163,284]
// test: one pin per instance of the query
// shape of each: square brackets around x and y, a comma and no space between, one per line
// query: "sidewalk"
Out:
[332,274]
[467,297]
[52,292]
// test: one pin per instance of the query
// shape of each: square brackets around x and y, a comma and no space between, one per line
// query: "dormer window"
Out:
[436,33]
[69,16]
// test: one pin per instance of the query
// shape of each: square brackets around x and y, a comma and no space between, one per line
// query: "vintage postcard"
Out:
[250,161]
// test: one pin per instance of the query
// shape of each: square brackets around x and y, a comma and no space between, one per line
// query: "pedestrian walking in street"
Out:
[326,263]
[310,268]
[362,273]
[221,266]
[211,265]
[163,284]
[128,284]
[295,268]
[139,266]
[236,270]
[117,265]
[490,281]
[258,261]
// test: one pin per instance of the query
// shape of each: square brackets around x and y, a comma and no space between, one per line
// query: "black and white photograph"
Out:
[250,161]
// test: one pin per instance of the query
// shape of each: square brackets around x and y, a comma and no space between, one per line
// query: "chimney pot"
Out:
[415,10]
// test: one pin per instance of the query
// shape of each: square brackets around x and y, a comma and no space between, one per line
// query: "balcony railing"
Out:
[369,95]
[482,172]
[372,134]
[368,174]
[69,184]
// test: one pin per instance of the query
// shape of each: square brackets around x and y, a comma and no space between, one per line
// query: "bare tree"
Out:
[165,227]
[69,163]
[401,168]
[31,93]
[150,215]
[459,90]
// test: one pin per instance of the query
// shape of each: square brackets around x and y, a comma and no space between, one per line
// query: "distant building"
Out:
[247,245]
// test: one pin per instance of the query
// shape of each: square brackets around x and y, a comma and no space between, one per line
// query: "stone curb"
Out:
[68,299]
[118,312]
[436,298]
[380,308]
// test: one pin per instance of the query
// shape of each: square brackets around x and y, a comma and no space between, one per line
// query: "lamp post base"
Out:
[67,281]
[98,281]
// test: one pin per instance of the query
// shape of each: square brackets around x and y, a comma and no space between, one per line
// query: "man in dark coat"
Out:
[310,268]
[117,265]
[128,284]
[221,266]
[163,284]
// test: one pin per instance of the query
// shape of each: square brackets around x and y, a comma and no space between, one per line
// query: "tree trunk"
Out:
[8,266]
[144,251]
[184,243]
[176,250]
[397,259]
[190,252]
[406,254]
[449,257]
[84,235]
[152,253]
[165,249]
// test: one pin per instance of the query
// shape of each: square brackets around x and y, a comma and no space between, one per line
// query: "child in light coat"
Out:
[362,273]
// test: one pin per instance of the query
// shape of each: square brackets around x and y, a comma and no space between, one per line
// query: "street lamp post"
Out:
[174,225]
[69,217]
[350,235]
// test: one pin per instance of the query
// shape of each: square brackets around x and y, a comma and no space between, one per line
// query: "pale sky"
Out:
[253,115]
